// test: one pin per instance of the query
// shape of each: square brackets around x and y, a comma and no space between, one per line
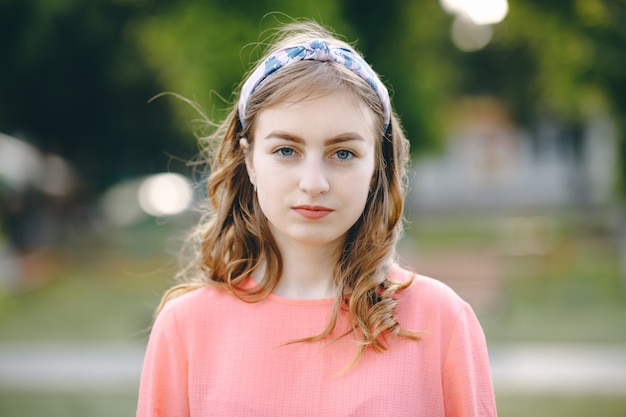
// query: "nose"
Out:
[313,179]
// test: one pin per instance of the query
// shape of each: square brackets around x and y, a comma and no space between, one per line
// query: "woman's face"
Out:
[312,163]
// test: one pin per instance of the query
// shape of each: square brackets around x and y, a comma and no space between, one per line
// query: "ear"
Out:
[245,145]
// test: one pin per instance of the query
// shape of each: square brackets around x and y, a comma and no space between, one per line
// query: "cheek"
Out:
[271,183]
[359,183]
[266,174]
[367,177]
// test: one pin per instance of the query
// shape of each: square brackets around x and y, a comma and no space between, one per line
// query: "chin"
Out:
[315,239]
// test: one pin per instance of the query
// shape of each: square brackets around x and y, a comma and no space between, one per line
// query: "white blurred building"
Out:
[487,162]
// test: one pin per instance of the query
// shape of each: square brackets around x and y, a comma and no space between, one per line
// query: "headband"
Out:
[315,50]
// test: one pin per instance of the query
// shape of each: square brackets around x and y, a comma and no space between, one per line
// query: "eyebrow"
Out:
[343,137]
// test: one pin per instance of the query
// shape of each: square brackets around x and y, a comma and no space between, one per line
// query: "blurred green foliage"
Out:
[76,75]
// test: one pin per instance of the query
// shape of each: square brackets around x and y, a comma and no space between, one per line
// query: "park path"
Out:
[114,366]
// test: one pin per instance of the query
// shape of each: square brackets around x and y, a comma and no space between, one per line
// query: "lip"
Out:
[312,212]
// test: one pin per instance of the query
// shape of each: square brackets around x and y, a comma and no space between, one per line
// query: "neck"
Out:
[307,272]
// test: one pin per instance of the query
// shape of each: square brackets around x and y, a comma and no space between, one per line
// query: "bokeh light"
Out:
[119,204]
[129,201]
[468,36]
[471,30]
[23,166]
[20,163]
[165,194]
[480,12]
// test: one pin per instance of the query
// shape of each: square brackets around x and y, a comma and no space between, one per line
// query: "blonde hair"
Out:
[233,235]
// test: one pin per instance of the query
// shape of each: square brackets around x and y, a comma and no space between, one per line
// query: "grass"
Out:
[99,289]
[106,405]
[103,299]
[574,293]
[523,406]
[24,404]
[570,290]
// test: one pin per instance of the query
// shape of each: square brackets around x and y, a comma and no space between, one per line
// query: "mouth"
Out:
[312,212]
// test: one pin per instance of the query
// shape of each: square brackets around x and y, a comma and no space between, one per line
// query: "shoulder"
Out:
[427,296]
[194,303]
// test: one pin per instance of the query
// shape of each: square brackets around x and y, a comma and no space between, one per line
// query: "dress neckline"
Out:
[249,283]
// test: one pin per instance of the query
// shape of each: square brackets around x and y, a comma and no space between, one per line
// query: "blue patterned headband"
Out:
[316,50]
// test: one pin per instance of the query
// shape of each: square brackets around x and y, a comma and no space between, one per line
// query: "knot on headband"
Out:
[314,50]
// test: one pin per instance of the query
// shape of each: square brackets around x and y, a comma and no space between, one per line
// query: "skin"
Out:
[312,163]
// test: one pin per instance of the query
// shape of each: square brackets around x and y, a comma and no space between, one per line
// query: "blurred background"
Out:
[516,112]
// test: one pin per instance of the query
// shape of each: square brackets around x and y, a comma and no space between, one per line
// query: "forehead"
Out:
[320,114]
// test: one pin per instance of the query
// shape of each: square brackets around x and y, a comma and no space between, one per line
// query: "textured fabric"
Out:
[315,50]
[211,354]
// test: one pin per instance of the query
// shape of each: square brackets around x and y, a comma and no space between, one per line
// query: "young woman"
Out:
[295,306]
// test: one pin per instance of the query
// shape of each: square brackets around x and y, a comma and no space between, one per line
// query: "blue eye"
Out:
[344,154]
[286,152]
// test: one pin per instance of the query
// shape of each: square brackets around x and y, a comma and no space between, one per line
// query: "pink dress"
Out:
[211,354]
